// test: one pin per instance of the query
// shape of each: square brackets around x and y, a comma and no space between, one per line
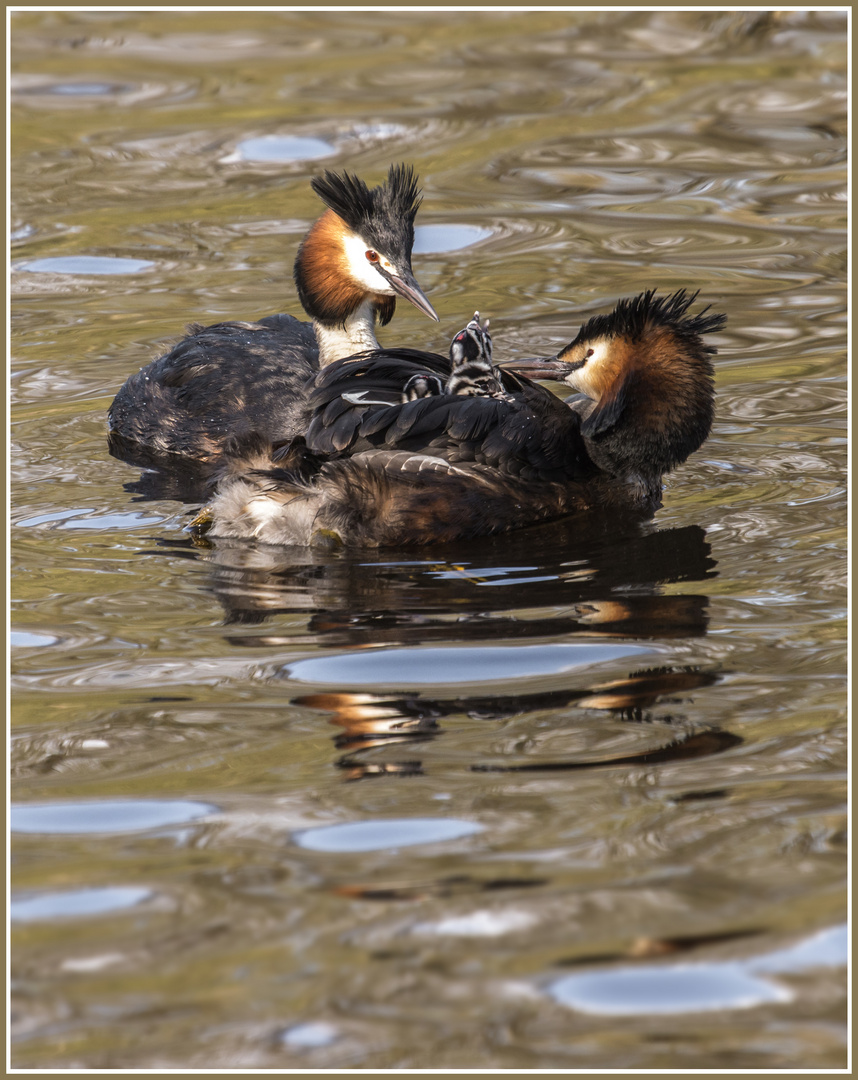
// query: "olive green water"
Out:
[569,799]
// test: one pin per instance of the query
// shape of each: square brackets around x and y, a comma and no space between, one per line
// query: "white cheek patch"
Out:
[362,270]
[590,378]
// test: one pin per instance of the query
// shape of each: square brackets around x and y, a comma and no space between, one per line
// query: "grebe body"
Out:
[225,381]
[375,470]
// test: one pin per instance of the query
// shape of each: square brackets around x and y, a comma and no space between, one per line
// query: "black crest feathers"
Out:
[632,318]
[384,215]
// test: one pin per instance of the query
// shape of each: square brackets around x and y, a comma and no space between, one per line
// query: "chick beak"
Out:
[405,284]
[539,368]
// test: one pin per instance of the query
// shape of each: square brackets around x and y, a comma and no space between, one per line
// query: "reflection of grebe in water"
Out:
[650,696]
[233,378]
[591,578]
[610,573]
[377,471]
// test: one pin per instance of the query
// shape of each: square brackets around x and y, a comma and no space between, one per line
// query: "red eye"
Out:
[589,354]
[372,256]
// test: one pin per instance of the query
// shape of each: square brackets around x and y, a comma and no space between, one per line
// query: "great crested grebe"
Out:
[376,471]
[232,378]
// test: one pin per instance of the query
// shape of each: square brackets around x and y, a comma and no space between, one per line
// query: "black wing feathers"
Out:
[530,432]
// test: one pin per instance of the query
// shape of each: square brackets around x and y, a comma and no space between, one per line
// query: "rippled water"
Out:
[572,798]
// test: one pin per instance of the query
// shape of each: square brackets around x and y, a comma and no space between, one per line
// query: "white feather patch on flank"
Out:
[242,510]
[290,521]
[261,509]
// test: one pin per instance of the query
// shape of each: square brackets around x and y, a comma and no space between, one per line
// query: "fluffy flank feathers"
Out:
[254,455]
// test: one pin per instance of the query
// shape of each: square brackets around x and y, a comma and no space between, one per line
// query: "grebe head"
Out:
[471,356]
[647,376]
[473,344]
[423,384]
[360,249]
[472,373]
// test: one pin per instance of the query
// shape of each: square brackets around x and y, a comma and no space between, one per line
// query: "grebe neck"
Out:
[355,334]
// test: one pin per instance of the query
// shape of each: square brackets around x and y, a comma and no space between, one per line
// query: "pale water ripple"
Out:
[573,798]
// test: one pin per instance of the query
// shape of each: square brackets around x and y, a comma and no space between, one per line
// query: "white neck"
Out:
[356,335]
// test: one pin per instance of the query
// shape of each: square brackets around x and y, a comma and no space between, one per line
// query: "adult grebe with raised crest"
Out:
[226,380]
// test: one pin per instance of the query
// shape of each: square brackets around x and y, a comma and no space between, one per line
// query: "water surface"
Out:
[567,799]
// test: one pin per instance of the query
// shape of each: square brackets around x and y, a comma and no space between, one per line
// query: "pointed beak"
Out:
[405,284]
[540,368]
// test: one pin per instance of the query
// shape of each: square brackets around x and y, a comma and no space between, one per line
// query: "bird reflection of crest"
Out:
[372,721]
[565,581]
